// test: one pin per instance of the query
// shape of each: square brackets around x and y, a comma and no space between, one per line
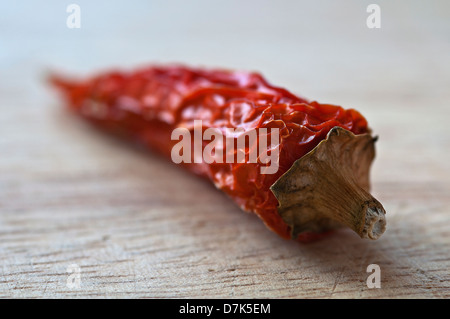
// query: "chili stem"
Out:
[329,188]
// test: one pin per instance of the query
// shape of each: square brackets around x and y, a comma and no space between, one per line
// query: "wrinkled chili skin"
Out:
[149,103]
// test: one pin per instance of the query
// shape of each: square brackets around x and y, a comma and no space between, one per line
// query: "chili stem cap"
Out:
[329,188]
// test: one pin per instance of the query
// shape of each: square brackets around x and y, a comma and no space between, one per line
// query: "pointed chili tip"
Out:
[59,81]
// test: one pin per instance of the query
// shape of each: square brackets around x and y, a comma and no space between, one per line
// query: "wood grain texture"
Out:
[140,227]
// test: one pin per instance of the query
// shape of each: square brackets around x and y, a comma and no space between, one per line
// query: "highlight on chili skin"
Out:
[301,166]
[230,146]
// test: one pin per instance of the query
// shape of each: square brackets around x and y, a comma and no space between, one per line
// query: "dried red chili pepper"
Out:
[325,151]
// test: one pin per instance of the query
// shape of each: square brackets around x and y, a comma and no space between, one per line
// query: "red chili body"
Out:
[148,104]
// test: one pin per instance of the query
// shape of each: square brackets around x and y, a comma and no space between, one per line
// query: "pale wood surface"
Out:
[138,226]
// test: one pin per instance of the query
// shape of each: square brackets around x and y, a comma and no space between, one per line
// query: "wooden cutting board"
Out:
[131,224]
